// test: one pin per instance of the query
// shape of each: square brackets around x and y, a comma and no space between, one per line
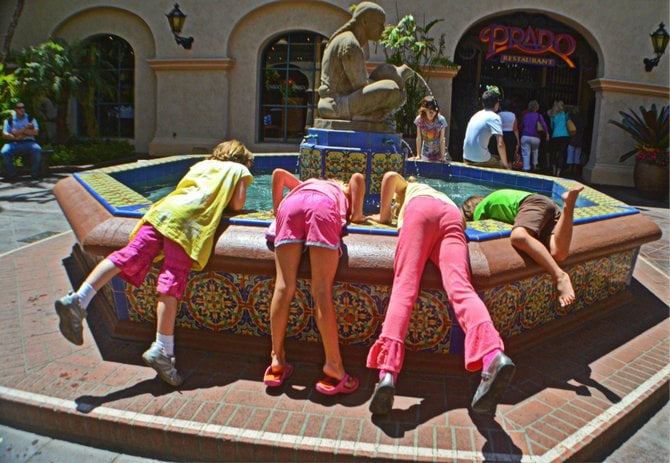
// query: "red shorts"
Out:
[309,217]
[136,259]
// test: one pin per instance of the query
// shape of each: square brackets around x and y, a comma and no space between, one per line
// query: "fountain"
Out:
[231,296]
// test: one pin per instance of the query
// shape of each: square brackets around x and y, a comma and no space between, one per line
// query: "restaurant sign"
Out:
[530,41]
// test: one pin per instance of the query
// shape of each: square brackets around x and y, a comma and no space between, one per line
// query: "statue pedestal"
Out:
[337,154]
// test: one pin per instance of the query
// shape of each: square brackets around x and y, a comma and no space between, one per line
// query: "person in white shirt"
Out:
[482,126]
[510,129]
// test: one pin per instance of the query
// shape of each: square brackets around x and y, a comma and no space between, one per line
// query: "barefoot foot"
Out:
[570,197]
[566,295]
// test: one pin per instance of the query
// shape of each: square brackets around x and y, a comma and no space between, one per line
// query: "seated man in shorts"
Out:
[540,229]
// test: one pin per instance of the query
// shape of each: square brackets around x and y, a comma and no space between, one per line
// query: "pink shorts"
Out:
[309,217]
[136,259]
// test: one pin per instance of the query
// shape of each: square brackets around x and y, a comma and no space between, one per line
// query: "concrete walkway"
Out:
[566,403]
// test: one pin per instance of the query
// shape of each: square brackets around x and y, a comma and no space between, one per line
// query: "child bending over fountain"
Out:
[430,125]
[431,227]
[540,229]
[180,227]
[313,214]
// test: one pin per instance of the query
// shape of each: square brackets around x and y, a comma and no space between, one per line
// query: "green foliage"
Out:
[7,91]
[57,71]
[411,44]
[79,152]
[649,130]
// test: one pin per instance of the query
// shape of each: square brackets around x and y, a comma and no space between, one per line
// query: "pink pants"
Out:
[136,259]
[434,230]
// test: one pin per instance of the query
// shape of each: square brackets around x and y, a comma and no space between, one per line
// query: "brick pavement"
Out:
[569,397]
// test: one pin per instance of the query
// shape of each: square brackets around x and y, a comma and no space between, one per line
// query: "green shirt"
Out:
[502,205]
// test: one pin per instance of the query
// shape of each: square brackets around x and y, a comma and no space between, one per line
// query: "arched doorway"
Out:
[290,74]
[111,100]
[529,57]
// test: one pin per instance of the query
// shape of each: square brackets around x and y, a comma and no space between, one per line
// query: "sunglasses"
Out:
[431,104]
[20,107]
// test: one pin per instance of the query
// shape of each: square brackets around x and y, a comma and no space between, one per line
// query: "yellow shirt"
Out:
[191,213]
[420,189]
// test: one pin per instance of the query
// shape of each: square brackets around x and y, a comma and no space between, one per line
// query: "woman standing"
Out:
[560,137]
[510,129]
[530,136]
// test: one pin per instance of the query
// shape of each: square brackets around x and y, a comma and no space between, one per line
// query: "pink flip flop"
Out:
[275,379]
[330,386]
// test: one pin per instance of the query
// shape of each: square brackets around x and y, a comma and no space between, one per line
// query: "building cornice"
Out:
[631,88]
[214,64]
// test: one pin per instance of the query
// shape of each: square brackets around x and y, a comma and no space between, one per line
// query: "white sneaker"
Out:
[156,358]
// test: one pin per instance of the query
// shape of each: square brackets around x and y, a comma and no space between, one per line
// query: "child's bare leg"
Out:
[323,263]
[562,236]
[102,273]
[287,260]
[166,313]
[524,241]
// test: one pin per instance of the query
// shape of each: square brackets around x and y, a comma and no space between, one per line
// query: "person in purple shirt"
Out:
[530,137]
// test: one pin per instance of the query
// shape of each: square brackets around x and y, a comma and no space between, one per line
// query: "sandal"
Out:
[331,386]
[276,378]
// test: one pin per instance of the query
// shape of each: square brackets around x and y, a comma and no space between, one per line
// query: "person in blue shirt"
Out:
[20,131]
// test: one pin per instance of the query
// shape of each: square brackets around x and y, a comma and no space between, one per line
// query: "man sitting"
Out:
[20,131]
[482,126]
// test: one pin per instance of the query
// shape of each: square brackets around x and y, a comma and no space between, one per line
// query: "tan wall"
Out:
[211,92]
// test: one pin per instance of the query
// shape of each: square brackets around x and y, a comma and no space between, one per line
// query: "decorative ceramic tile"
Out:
[240,303]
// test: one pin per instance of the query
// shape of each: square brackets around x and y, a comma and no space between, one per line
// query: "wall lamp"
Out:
[659,40]
[176,19]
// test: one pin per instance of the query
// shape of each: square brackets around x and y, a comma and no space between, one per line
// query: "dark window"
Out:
[114,102]
[290,78]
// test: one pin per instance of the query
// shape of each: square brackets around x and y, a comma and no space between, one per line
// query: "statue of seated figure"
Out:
[346,91]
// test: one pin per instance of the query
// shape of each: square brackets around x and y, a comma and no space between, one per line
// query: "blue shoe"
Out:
[494,383]
[382,399]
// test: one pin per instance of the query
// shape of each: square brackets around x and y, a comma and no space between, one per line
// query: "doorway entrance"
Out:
[529,57]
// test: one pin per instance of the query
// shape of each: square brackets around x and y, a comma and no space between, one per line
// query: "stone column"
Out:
[609,142]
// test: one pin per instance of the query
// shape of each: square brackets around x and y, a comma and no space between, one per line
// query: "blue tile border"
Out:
[113,185]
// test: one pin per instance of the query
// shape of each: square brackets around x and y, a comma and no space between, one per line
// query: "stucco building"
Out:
[253,68]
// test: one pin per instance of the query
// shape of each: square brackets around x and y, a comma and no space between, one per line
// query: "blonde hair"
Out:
[533,105]
[557,108]
[234,151]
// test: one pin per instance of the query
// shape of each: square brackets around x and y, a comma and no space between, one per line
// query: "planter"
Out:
[651,180]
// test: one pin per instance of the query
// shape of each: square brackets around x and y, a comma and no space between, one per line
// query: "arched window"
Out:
[290,77]
[113,103]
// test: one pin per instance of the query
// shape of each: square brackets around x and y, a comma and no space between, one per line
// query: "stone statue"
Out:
[347,93]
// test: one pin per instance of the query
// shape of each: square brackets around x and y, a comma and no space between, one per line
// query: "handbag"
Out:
[517,162]
[538,126]
[572,128]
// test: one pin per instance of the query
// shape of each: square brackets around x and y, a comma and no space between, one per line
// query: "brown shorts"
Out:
[539,215]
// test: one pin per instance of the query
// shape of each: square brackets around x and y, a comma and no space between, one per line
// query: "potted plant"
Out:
[649,130]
